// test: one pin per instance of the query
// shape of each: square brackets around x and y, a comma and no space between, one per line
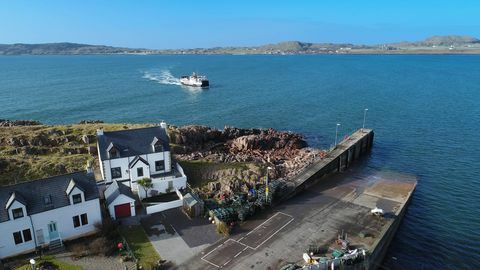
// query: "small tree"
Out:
[146,184]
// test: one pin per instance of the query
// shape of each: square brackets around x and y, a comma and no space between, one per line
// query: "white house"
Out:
[120,200]
[46,212]
[129,155]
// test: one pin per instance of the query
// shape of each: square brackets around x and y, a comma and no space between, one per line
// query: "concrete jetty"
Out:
[321,206]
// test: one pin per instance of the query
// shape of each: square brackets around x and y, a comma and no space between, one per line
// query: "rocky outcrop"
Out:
[12,123]
[285,152]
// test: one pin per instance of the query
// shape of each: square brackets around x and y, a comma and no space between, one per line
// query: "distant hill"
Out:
[432,45]
[62,48]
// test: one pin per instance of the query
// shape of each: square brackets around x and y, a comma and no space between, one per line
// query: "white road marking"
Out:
[247,246]
[210,263]
[273,234]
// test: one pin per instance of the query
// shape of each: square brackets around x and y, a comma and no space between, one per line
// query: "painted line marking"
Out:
[239,243]
[227,262]
[211,251]
[236,255]
[262,223]
[273,234]
[210,263]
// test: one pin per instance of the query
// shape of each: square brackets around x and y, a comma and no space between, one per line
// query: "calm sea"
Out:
[425,111]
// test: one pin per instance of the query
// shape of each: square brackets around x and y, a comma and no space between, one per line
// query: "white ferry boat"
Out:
[195,80]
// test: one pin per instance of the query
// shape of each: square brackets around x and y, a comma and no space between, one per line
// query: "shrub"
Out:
[78,250]
[108,228]
[101,246]
[223,228]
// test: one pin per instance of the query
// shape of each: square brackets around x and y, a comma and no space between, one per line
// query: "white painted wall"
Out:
[62,216]
[134,173]
[7,243]
[16,204]
[164,206]
[121,199]
[76,191]
[124,162]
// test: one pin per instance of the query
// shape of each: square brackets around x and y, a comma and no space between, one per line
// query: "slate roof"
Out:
[33,192]
[135,160]
[132,142]
[120,188]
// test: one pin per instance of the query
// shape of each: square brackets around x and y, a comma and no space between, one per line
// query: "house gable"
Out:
[46,194]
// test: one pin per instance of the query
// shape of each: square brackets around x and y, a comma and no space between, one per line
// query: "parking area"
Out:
[224,253]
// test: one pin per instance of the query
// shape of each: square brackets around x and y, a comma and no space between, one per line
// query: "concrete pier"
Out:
[322,204]
[337,160]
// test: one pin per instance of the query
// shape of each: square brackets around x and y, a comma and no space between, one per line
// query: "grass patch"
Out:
[33,161]
[140,245]
[50,259]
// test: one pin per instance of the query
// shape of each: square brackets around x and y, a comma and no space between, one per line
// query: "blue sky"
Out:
[189,24]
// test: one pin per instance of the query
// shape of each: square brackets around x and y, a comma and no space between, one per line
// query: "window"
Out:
[116,172]
[80,220]
[76,221]
[84,219]
[27,235]
[139,172]
[47,200]
[114,153]
[159,165]
[77,198]
[17,237]
[158,147]
[17,213]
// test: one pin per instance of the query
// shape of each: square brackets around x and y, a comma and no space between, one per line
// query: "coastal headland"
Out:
[325,197]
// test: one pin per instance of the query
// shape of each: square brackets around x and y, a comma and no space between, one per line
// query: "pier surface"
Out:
[325,204]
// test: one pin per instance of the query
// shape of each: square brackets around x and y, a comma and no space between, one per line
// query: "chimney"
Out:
[163,125]
[89,167]
[99,132]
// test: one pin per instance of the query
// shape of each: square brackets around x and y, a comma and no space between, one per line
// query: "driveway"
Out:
[178,238]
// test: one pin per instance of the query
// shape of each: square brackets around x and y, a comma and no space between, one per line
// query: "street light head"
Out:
[366,109]
[338,124]
[32,261]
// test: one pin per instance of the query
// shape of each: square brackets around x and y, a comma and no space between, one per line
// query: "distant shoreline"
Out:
[450,45]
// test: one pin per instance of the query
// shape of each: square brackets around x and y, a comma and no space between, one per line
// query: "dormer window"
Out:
[17,213]
[157,145]
[113,151]
[47,200]
[77,198]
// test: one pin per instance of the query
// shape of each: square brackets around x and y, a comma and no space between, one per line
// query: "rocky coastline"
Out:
[226,160]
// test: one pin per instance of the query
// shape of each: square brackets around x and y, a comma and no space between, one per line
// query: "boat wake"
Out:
[162,76]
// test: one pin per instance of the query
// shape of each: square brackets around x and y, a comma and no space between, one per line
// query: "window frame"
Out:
[118,173]
[26,233]
[15,215]
[17,236]
[160,168]
[74,200]
[76,221]
[140,172]
[84,219]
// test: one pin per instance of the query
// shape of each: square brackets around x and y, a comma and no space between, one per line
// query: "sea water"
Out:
[425,110]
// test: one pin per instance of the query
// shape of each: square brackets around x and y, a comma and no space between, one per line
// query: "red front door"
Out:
[122,210]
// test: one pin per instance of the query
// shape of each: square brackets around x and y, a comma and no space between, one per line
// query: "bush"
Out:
[108,228]
[47,266]
[78,250]
[101,246]
[223,228]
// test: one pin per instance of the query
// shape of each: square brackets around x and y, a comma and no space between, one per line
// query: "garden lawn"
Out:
[140,245]
[58,263]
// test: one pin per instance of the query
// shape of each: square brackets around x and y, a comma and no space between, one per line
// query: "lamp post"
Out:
[266,184]
[336,133]
[32,263]
[364,118]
